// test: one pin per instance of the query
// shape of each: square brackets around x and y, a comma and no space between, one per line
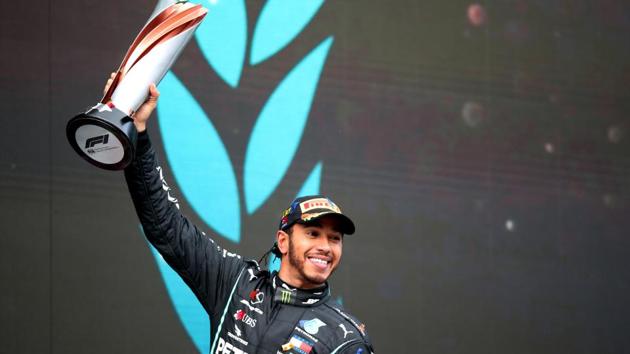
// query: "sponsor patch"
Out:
[226,253]
[312,326]
[242,316]
[345,331]
[299,345]
[286,296]
[256,297]
[238,338]
[309,216]
[251,308]
[252,276]
[284,221]
[310,301]
[305,334]
[318,203]
[224,347]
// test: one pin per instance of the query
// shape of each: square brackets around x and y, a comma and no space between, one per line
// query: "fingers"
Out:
[151,100]
[109,82]
[141,116]
[153,93]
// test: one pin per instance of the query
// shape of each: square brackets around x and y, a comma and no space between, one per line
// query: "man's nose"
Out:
[323,244]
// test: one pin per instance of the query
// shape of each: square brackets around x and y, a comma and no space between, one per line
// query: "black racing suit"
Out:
[251,310]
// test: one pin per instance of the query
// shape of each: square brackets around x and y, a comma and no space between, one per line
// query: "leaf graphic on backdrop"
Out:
[222,38]
[278,130]
[198,159]
[190,312]
[310,187]
[280,21]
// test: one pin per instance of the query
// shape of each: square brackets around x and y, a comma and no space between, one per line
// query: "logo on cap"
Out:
[318,203]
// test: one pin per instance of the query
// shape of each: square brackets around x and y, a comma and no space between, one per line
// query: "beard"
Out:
[298,264]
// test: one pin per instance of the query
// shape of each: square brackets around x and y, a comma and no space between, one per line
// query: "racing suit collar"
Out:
[284,293]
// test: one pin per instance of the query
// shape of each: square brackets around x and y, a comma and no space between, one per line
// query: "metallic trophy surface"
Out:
[105,135]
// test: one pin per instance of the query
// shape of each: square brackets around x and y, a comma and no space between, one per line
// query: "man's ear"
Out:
[282,238]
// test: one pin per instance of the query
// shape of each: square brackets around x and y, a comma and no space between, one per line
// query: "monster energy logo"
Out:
[285,296]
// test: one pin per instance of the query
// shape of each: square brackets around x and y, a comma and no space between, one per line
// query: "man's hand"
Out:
[143,113]
[141,116]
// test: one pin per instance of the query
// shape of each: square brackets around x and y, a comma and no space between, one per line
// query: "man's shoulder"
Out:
[342,316]
[254,275]
[336,326]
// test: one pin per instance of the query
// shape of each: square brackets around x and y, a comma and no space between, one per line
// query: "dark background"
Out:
[485,161]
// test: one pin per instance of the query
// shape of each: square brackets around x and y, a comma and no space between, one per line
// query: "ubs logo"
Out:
[242,316]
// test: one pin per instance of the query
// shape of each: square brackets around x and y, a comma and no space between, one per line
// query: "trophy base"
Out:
[104,136]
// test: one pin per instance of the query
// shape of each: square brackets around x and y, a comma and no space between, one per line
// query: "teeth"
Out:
[320,261]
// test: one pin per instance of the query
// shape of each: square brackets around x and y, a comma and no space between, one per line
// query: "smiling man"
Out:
[310,241]
[251,309]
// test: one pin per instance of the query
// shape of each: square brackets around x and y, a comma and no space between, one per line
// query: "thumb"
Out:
[143,113]
[153,93]
[151,100]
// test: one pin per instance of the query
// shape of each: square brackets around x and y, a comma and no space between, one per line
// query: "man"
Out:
[252,310]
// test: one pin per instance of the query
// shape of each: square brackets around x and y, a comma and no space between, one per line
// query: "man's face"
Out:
[313,254]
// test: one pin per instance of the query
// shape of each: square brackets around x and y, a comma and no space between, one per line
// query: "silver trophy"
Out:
[105,135]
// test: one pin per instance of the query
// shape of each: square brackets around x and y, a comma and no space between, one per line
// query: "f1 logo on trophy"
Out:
[104,135]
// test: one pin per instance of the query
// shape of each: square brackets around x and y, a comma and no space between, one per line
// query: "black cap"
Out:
[312,207]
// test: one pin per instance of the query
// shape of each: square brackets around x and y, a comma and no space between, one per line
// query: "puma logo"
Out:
[345,332]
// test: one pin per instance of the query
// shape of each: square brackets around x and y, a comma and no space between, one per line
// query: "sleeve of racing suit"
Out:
[207,269]
[357,348]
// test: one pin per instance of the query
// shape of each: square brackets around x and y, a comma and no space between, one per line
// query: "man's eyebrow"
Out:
[314,223]
[317,223]
[335,229]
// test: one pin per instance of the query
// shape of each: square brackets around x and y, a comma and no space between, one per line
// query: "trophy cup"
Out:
[105,135]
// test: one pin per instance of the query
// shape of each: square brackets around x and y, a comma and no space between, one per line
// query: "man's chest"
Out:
[260,319]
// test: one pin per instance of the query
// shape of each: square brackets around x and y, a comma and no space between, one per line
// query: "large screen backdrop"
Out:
[481,148]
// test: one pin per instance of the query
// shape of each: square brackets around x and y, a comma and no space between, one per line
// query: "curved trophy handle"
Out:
[153,52]
[105,135]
